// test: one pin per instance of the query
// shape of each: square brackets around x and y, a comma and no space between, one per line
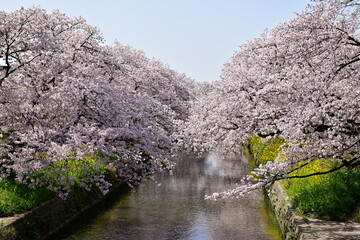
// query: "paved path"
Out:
[319,229]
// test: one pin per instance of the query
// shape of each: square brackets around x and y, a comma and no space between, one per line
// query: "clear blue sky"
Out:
[195,37]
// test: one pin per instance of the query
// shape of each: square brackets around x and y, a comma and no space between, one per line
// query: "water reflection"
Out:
[234,168]
[177,210]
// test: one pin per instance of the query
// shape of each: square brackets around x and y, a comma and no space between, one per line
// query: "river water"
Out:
[174,208]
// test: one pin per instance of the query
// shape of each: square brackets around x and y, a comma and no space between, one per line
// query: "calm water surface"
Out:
[174,208]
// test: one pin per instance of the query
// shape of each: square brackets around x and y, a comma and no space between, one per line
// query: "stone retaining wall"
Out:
[294,227]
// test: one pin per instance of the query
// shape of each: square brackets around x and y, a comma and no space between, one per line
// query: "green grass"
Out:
[332,196]
[17,198]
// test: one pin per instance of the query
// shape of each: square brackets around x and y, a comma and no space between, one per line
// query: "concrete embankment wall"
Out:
[51,216]
[288,221]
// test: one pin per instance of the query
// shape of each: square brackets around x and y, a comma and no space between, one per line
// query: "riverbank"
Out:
[50,216]
[293,226]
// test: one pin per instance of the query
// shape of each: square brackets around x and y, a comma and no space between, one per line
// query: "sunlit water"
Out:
[174,208]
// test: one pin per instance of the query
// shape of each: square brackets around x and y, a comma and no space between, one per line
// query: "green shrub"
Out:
[333,196]
[72,171]
[263,150]
[356,217]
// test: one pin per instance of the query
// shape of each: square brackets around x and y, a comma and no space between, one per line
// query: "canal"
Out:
[174,208]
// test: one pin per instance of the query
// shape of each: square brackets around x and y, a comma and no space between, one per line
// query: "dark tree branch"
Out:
[349,164]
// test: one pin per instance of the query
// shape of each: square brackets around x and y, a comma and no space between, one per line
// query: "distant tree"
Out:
[152,78]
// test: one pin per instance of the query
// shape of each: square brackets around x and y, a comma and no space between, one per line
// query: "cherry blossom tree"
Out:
[154,79]
[300,82]
[70,103]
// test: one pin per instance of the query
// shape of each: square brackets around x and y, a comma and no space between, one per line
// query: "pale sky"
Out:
[195,37]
